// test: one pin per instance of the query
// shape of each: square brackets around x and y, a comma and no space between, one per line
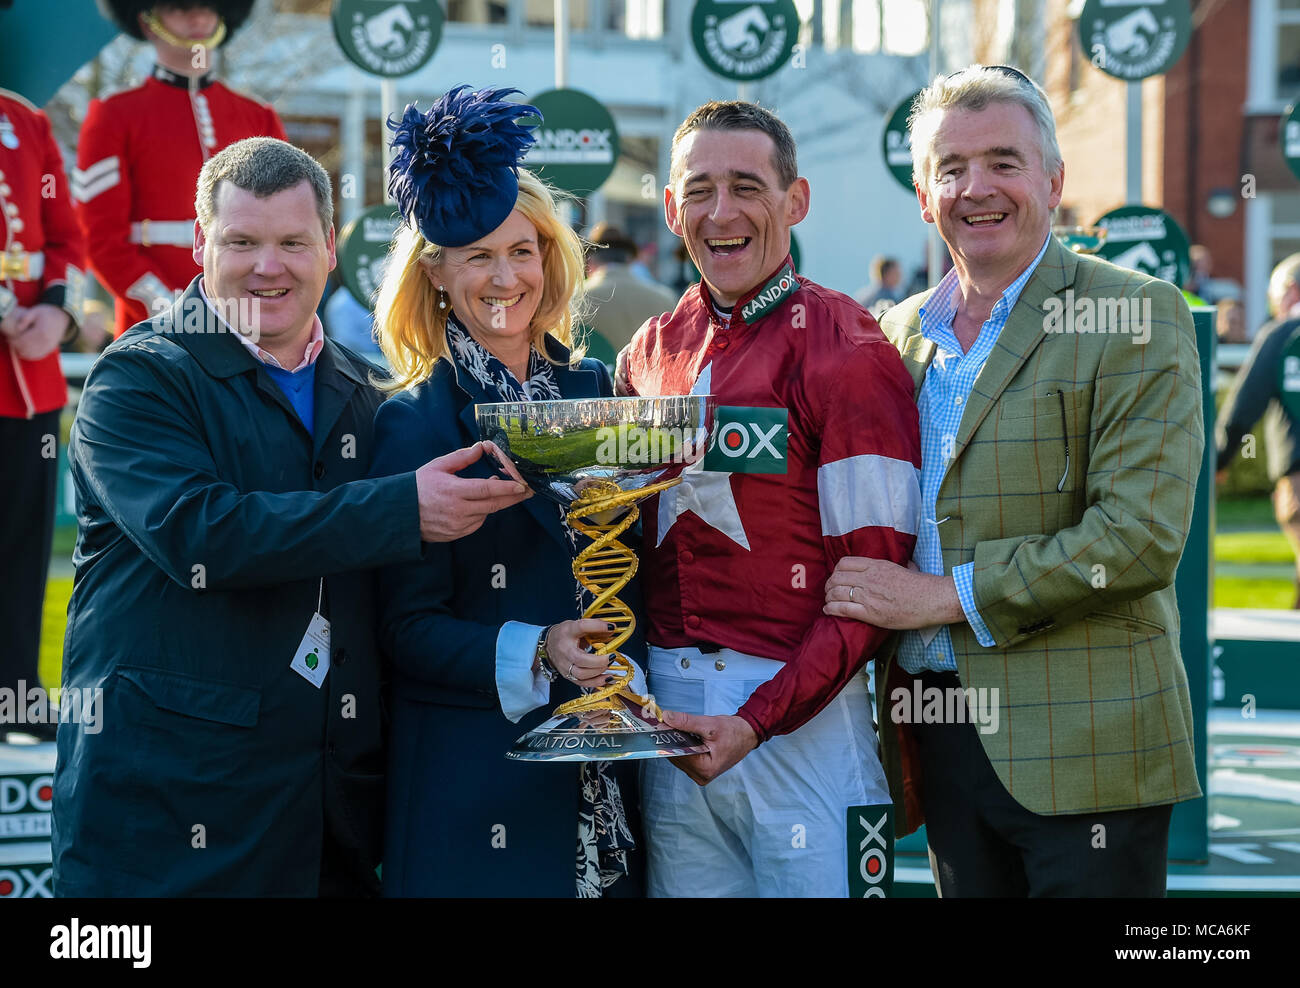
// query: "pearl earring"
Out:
[442,297]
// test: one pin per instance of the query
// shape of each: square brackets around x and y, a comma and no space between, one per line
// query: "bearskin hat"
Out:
[126,13]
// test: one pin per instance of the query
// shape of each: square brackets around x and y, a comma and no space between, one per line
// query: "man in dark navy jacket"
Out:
[221,601]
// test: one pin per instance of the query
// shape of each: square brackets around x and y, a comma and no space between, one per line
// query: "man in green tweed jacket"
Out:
[1061,437]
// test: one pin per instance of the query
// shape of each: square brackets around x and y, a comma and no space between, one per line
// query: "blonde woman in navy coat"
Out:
[476,308]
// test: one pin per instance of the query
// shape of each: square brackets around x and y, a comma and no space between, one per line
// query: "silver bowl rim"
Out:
[484,407]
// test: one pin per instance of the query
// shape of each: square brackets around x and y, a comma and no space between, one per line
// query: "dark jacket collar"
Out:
[192,325]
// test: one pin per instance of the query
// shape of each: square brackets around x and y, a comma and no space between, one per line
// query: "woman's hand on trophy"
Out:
[567,644]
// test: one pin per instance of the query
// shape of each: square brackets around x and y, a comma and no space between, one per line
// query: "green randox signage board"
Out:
[577,143]
[363,251]
[1146,240]
[897,143]
[1133,39]
[1290,138]
[1288,385]
[26,794]
[25,875]
[388,37]
[25,799]
[744,39]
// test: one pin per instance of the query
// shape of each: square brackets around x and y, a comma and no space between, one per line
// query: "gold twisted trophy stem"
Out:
[604,568]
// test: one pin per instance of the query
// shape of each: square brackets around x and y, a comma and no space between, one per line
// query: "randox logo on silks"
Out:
[744,39]
[747,440]
[870,851]
[770,296]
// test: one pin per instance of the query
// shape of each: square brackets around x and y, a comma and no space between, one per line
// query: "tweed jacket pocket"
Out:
[1127,622]
[1040,455]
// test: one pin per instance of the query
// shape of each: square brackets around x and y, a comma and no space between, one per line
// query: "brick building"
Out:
[1210,132]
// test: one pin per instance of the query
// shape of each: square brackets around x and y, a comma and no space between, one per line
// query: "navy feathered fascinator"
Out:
[454,173]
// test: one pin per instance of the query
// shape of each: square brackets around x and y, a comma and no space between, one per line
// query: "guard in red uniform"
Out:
[40,297]
[140,152]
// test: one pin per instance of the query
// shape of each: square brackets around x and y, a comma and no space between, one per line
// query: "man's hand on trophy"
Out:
[567,644]
[729,739]
[451,507]
[503,462]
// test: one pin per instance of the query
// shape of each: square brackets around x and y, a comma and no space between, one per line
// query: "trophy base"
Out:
[604,735]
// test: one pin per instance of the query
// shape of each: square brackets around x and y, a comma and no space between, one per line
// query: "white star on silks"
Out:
[707,494]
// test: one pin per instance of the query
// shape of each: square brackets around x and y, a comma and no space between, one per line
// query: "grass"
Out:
[1232,591]
[1244,513]
[1252,568]
[1252,548]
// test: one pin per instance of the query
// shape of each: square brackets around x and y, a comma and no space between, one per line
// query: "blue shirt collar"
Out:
[937,313]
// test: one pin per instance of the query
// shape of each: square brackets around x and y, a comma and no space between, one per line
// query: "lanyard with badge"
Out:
[312,660]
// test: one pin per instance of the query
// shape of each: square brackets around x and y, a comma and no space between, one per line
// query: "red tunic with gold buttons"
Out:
[815,455]
[42,249]
[138,162]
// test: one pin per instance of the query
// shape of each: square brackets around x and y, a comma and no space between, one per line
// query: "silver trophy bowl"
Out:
[559,447]
[592,456]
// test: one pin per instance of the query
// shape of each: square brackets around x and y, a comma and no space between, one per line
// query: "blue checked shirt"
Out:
[947,387]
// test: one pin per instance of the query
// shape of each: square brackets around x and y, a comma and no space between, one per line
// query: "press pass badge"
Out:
[312,660]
